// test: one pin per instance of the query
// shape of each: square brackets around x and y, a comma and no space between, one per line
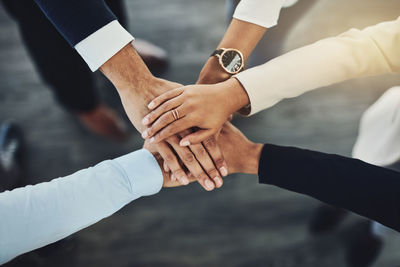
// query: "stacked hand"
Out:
[137,87]
[241,154]
[206,107]
[184,122]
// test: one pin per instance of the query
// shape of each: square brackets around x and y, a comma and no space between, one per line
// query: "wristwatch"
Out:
[231,60]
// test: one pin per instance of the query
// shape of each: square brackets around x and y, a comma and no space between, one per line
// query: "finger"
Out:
[165,165]
[230,118]
[215,152]
[164,97]
[197,137]
[207,164]
[171,160]
[165,107]
[169,118]
[191,163]
[172,129]
[205,160]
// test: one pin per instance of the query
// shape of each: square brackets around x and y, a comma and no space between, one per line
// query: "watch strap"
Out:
[217,52]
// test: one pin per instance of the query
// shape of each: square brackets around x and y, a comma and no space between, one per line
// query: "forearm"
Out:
[240,35]
[133,81]
[368,190]
[34,216]
[127,71]
[243,36]
[354,54]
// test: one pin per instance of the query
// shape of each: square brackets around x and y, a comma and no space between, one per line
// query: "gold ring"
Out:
[175,113]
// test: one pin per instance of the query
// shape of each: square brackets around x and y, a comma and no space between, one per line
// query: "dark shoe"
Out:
[326,218]
[364,248]
[104,122]
[11,156]
[155,58]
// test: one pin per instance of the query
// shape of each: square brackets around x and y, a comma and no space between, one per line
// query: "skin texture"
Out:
[205,107]
[137,87]
[242,155]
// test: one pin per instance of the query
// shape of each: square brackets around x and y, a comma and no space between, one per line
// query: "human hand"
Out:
[241,154]
[204,106]
[137,87]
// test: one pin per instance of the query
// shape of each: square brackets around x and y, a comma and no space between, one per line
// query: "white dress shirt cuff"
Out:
[260,12]
[100,46]
[145,175]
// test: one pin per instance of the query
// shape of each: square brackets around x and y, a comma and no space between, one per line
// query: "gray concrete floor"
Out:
[243,224]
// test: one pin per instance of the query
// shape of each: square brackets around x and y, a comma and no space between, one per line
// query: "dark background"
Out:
[242,224]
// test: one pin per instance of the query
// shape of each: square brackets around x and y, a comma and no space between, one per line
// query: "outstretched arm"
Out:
[353,54]
[35,216]
[371,191]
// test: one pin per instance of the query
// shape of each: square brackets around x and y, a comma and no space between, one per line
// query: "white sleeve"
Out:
[261,12]
[35,216]
[100,46]
[353,54]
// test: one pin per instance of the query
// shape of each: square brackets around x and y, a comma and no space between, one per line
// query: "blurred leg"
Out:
[377,143]
[63,70]
[57,63]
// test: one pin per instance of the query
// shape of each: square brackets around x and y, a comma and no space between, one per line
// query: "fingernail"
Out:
[209,185]
[145,134]
[145,121]
[184,180]
[173,178]
[166,169]
[218,181]
[184,143]
[223,171]
[151,105]
[152,140]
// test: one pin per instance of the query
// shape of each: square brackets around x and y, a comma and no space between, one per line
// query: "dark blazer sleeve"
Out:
[368,190]
[77,19]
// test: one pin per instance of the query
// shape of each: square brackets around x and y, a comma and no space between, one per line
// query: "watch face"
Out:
[232,61]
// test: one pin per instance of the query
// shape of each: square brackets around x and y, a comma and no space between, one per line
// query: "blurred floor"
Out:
[243,224]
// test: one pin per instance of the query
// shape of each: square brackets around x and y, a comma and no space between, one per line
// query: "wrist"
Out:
[212,72]
[234,94]
[127,71]
[251,164]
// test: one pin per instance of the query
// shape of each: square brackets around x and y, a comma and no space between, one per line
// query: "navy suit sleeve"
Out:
[371,191]
[77,19]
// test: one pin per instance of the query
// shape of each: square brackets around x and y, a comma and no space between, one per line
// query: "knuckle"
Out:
[210,142]
[150,130]
[163,120]
[188,157]
[166,106]
[201,177]
[169,158]
[219,161]
[201,152]
[212,173]
[179,172]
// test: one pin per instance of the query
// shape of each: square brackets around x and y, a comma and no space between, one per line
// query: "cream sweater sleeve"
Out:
[355,53]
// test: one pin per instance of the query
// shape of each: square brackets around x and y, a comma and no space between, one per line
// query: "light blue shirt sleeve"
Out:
[34,216]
